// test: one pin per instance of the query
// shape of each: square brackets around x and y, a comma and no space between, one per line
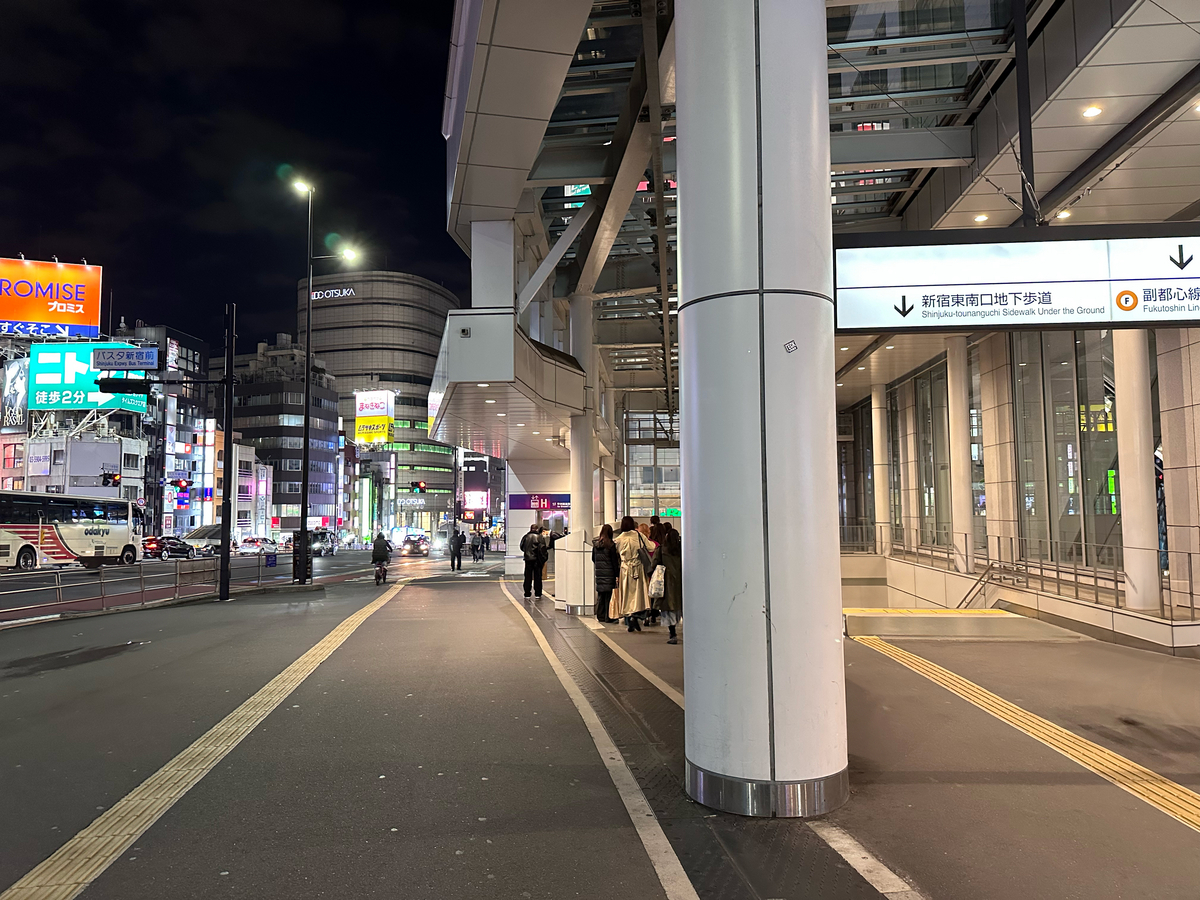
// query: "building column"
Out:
[1135,460]
[958,399]
[881,471]
[610,499]
[577,587]
[766,719]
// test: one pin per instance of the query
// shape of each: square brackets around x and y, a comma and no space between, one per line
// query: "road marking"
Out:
[876,873]
[1163,794]
[81,860]
[674,880]
[672,694]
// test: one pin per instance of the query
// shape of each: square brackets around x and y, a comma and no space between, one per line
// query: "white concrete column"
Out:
[881,471]
[1135,461]
[577,588]
[958,397]
[766,717]
[610,499]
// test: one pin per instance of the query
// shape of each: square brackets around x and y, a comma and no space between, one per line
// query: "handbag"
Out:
[644,558]
[658,582]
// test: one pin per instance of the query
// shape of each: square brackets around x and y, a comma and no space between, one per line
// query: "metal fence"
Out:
[1093,573]
[75,589]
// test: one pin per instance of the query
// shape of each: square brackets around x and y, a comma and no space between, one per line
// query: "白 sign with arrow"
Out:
[1180,263]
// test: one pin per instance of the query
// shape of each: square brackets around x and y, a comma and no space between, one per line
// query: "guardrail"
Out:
[1093,573]
[26,595]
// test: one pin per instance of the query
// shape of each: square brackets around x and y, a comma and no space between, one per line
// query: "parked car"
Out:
[255,546]
[324,544]
[414,546]
[167,547]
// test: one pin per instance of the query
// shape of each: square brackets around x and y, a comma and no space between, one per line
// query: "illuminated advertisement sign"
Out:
[1125,281]
[49,298]
[539,501]
[476,499]
[63,378]
[373,429]
[14,411]
[374,403]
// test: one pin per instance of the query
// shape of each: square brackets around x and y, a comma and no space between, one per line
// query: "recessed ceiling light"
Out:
[843,348]
[489,401]
[1022,364]
[1091,112]
[502,415]
[839,384]
[981,218]
[520,424]
[890,347]
[1064,214]
[548,440]
[483,384]
[861,368]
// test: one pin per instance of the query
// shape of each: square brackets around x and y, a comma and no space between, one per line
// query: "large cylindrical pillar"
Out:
[881,472]
[574,584]
[958,423]
[1135,460]
[766,717]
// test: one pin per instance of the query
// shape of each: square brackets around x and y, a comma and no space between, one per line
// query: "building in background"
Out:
[269,414]
[380,331]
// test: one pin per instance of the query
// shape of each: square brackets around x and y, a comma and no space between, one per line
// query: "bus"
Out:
[56,529]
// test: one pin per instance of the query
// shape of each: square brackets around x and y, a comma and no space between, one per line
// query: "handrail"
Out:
[980,586]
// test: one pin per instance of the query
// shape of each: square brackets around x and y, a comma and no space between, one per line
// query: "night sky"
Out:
[149,137]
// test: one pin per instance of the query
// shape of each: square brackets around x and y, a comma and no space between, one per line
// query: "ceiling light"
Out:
[502,415]
[1064,214]
[537,432]
[839,384]
[548,440]
[862,368]
[843,348]
[1022,364]
[483,384]
[1091,112]
[489,401]
[520,424]
[981,218]
[890,347]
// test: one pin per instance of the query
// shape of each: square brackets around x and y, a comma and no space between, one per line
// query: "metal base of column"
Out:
[579,610]
[782,799]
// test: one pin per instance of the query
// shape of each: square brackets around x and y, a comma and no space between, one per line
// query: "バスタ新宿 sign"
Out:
[1124,281]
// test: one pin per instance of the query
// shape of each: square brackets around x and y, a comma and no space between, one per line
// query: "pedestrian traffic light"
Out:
[108,479]
[417,487]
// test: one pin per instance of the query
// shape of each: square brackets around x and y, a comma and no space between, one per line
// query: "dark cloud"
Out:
[148,137]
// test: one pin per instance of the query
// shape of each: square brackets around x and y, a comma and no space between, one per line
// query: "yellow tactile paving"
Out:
[79,861]
[1162,793]
[888,611]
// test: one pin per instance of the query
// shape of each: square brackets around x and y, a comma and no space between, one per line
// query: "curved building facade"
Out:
[381,331]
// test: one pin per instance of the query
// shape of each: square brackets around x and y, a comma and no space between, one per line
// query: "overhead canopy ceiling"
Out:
[548,104]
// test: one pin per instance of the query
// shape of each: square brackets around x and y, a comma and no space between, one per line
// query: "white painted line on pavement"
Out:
[876,873]
[674,880]
[672,694]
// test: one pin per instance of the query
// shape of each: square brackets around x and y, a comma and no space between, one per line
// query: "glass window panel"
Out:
[1066,520]
[1098,481]
[978,482]
[1028,406]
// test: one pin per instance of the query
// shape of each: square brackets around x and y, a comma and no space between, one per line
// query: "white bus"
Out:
[55,529]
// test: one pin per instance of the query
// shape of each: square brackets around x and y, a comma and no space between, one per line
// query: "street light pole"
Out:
[230,472]
[304,464]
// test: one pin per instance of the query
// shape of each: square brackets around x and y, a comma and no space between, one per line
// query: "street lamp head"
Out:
[347,253]
[302,187]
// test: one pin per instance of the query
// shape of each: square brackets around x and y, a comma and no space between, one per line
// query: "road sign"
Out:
[141,502]
[1123,281]
[119,359]
[63,377]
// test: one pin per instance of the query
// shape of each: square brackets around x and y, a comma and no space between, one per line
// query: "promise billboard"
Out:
[49,299]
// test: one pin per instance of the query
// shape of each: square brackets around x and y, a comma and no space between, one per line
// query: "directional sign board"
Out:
[1038,284]
[63,377]
[113,359]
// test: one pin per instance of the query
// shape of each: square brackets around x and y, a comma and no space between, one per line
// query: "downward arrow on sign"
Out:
[904,309]
[1180,263]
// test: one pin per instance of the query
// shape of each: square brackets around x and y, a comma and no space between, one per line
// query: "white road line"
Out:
[672,694]
[876,873]
[666,864]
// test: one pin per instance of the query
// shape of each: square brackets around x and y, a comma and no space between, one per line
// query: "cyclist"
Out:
[380,554]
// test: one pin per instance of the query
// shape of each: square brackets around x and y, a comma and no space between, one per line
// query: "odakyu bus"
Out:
[56,529]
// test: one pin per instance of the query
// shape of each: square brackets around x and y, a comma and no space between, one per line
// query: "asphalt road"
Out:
[433,755]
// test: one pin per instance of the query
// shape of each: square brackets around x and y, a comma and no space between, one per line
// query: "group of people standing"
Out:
[479,542]
[624,564]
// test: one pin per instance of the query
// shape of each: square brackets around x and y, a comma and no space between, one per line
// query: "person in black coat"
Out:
[607,563]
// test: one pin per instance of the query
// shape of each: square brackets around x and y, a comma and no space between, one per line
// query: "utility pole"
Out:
[305,478]
[230,463]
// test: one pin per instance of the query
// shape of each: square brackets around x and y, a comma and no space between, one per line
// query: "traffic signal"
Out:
[181,483]
[418,487]
[108,479]
[123,385]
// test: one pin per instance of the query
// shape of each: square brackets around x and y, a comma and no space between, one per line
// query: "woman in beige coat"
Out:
[632,584]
